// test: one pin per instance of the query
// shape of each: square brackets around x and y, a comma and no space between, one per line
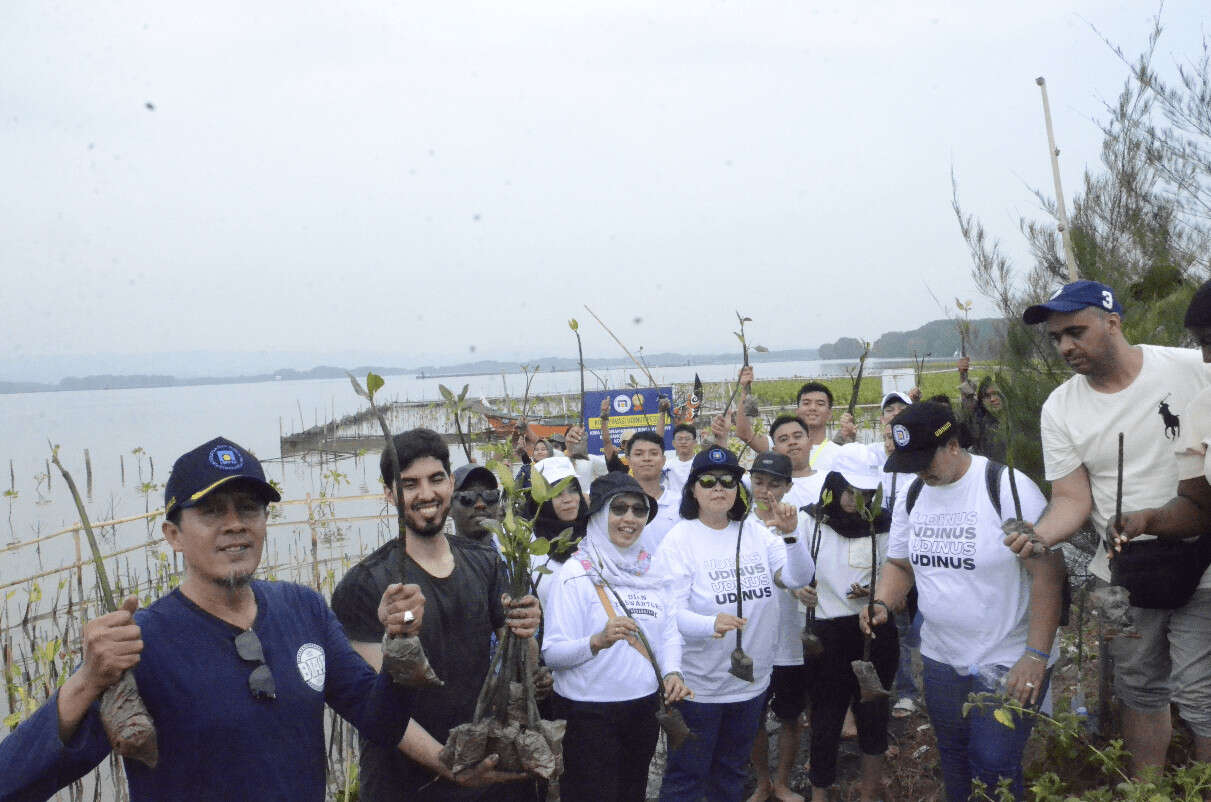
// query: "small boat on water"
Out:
[502,422]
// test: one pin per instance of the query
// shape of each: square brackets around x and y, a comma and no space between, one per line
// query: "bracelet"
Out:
[1041,656]
[882,604]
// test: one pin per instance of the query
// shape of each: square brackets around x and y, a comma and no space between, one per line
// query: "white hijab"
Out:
[601,558]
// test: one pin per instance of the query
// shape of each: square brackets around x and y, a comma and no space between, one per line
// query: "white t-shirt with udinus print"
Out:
[699,565]
[974,592]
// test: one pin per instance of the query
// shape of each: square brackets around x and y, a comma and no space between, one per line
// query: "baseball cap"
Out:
[616,483]
[895,395]
[713,458]
[917,432]
[858,465]
[774,464]
[464,473]
[209,466]
[1072,297]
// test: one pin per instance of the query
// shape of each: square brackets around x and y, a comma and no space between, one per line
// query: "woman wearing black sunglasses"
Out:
[699,558]
[605,686]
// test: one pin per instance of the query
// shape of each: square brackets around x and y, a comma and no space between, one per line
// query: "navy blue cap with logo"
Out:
[1074,297]
[714,458]
[210,466]
[917,432]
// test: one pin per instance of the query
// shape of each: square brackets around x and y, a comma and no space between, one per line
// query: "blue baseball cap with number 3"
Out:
[1073,297]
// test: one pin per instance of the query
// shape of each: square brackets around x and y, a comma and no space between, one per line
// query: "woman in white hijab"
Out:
[605,686]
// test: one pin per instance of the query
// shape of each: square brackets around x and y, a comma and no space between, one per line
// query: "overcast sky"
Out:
[411,181]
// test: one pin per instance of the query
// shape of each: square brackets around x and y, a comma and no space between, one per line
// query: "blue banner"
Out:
[630,411]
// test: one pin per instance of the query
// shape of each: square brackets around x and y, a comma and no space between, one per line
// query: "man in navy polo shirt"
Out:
[234,671]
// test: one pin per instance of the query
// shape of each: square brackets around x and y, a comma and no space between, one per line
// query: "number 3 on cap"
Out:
[1107,299]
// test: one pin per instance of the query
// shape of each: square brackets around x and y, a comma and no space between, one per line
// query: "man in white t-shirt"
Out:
[680,458]
[1133,390]
[645,456]
[815,409]
[1188,515]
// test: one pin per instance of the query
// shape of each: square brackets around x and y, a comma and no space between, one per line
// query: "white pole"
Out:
[1054,152]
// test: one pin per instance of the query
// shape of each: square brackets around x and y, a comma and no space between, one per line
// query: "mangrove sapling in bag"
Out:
[742,664]
[404,658]
[124,716]
[506,722]
[869,684]
[812,645]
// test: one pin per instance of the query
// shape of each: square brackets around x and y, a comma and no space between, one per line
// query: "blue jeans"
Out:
[715,763]
[976,746]
[910,640]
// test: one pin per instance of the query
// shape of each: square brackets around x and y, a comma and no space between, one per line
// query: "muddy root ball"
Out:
[131,732]
[405,661]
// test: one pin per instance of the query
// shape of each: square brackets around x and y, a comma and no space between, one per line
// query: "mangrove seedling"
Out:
[812,645]
[506,720]
[855,378]
[869,684]
[404,657]
[744,346]
[742,664]
[457,404]
[126,720]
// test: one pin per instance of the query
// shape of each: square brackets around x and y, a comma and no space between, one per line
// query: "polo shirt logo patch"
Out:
[310,660]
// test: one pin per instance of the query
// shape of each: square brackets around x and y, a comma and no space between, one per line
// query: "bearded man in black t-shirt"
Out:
[464,586]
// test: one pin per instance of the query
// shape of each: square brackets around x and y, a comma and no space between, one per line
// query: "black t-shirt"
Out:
[462,613]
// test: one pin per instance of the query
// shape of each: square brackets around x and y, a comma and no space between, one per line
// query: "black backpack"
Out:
[993,471]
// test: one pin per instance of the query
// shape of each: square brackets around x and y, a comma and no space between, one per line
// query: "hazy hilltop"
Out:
[938,338]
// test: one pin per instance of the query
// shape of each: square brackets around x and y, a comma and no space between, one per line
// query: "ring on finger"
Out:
[408,617]
[1029,684]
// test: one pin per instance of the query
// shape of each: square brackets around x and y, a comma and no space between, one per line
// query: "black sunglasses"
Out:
[620,508]
[260,682]
[467,498]
[709,480]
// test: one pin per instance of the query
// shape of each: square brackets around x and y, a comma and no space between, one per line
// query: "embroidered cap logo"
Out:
[226,458]
[717,456]
[899,433]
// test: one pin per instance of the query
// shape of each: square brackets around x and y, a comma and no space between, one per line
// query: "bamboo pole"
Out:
[1054,153]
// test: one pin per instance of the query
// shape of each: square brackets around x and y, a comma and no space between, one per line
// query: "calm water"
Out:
[165,422]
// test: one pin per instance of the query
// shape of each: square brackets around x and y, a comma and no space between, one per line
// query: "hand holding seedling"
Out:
[544,683]
[1021,539]
[720,427]
[868,620]
[401,609]
[1132,525]
[112,644]
[484,774]
[617,628]
[915,394]
[605,407]
[726,622]
[523,615]
[848,430]
[574,436]
[746,379]
[675,689]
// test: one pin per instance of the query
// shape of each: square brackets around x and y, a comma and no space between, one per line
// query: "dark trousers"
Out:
[834,688]
[607,748]
[714,764]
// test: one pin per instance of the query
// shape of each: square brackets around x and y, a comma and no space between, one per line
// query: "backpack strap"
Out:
[992,480]
[914,490]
